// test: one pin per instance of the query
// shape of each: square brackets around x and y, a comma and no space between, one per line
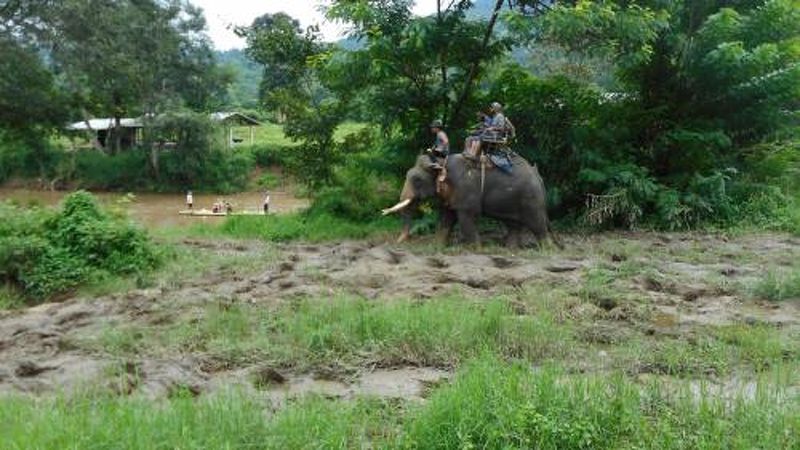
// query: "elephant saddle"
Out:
[501,158]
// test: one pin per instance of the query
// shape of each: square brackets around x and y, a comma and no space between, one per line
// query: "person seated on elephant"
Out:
[484,121]
[495,133]
[441,146]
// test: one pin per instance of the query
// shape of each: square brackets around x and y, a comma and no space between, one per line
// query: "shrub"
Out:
[272,155]
[27,154]
[127,170]
[356,195]
[268,180]
[45,252]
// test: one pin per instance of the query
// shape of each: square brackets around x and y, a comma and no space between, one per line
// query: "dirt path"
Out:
[679,282]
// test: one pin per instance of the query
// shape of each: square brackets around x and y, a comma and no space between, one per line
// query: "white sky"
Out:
[222,14]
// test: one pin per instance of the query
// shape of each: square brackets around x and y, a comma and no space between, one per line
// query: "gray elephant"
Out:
[466,192]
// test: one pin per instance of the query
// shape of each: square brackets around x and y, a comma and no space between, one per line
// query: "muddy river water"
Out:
[161,210]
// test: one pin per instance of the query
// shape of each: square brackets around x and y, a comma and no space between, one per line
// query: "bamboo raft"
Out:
[210,213]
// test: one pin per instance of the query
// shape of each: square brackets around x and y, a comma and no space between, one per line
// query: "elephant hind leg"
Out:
[536,221]
[513,237]
[468,223]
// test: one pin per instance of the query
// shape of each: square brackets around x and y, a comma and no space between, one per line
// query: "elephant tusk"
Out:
[396,207]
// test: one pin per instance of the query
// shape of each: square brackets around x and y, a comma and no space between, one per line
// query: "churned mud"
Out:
[616,284]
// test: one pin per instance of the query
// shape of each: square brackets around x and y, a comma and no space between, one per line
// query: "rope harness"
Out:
[483,161]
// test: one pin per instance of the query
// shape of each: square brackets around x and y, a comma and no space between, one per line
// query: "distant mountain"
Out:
[243,92]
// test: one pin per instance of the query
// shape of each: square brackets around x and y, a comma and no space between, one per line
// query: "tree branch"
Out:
[473,70]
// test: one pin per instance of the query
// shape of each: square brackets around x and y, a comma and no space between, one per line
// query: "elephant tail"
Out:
[550,231]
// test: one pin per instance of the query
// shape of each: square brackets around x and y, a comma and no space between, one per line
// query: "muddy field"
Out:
[609,289]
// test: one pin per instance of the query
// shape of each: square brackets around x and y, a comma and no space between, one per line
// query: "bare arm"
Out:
[444,139]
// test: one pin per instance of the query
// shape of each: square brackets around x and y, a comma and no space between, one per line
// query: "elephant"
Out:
[465,192]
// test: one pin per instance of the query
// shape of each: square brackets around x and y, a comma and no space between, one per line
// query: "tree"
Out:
[122,57]
[702,85]
[31,107]
[291,87]
[29,98]
[282,47]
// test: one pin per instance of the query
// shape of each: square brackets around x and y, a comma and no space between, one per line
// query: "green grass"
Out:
[490,404]
[295,226]
[778,285]
[233,421]
[10,298]
[713,351]
[183,264]
[309,333]
[271,134]
[494,405]
[268,134]
[443,332]
[761,346]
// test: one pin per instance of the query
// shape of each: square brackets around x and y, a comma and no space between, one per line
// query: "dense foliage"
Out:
[44,252]
[640,113]
[73,60]
[686,117]
[707,94]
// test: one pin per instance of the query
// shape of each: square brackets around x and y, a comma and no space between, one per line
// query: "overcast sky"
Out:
[223,14]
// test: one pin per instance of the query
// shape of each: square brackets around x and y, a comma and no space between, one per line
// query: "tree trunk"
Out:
[473,70]
[92,133]
[443,69]
[117,134]
[154,150]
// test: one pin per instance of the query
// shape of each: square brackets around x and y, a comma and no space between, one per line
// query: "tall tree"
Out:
[282,48]
[291,87]
[414,69]
[121,57]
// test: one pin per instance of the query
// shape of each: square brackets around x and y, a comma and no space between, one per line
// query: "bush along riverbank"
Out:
[47,252]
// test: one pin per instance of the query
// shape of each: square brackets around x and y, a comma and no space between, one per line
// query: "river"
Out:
[161,210]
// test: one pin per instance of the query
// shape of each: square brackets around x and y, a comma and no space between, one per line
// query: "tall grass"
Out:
[777,286]
[490,404]
[494,405]
[297,226]
[441,332]
[226,421]
[10,297]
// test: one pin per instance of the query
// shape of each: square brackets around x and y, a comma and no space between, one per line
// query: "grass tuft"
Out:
[777,286]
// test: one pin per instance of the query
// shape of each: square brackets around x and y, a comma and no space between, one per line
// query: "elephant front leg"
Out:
[406,232]
[468,221]
[447,220]
[514,236]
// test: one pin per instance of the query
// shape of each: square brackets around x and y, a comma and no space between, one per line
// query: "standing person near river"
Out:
[189,200]
[266,203]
